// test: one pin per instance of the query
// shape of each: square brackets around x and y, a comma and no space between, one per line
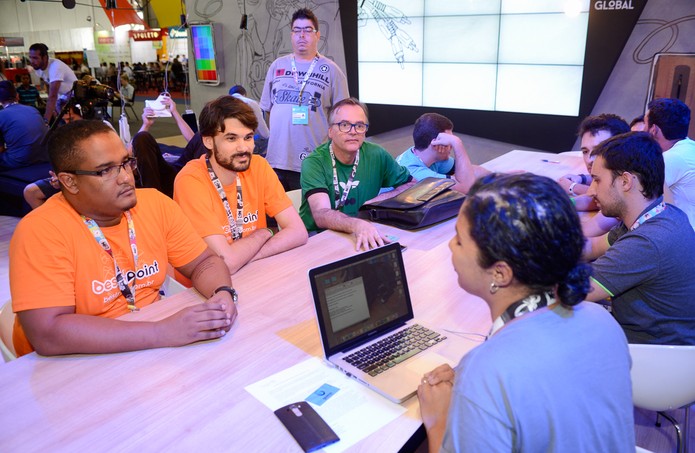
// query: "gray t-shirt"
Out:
[650,274]
[290,143]
[554,380]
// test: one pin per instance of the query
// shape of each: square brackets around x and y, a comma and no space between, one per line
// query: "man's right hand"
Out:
[205,321]
[445,142]
[148,117]
[169,103]
[367,236]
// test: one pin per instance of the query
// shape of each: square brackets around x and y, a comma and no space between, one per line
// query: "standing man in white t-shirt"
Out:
[57,75]
[668,120]
[299,90]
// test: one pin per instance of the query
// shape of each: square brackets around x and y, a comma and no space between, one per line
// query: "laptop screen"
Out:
[360,297]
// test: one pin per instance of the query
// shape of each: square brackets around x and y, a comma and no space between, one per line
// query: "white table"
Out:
[192,398]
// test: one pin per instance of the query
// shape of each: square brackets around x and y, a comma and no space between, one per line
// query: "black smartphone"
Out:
[306,426]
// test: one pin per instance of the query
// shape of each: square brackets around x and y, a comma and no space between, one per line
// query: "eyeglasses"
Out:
[300,30]
[346,126]
[109,172]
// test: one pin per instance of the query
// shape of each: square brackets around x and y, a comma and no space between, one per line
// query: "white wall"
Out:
[248,53]
[664,26]
[59,28]
[142,51]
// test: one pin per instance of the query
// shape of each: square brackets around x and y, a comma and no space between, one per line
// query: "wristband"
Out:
[571,189]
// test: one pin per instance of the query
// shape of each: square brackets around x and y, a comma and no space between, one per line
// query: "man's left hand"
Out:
[223,297]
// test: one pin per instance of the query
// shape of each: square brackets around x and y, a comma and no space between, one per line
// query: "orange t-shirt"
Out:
[260,188]
[56,262]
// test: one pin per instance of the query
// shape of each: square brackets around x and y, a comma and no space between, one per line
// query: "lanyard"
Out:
[235,226]
[348,184]
[519,308]
[128,292]
[653,212]
[306,76]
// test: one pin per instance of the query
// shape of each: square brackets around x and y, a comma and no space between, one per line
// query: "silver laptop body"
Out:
[362,299]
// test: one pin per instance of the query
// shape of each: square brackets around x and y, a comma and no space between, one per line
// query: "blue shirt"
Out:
[21,131]
[418,170]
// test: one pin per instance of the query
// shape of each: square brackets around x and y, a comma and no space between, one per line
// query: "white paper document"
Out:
[350,409]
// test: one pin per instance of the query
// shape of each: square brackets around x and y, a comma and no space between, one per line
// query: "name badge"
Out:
[300,114]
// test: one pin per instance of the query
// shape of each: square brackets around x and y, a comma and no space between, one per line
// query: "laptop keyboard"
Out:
[394,349]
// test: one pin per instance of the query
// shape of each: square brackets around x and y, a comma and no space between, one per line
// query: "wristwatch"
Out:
[232,292]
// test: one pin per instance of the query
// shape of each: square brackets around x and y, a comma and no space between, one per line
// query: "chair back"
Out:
[663,376]
[171,287]
[296,197]
[6,327]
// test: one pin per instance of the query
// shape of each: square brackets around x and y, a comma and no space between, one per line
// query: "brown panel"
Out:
[674,77]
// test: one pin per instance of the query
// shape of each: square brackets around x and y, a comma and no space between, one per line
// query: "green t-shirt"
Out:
[377,169]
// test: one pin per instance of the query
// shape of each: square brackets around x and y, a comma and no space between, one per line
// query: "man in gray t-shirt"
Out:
[299,90]
[645,263]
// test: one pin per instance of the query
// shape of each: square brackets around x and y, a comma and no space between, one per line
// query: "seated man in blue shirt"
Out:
[645,263]
[21,131]
[438,153]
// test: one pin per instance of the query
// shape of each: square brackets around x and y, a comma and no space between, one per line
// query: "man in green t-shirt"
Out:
[346,172]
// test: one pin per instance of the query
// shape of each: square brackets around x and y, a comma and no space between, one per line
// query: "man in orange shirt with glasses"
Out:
[101,248]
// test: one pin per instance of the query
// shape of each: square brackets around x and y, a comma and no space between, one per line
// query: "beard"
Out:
[228,162]
[611,208]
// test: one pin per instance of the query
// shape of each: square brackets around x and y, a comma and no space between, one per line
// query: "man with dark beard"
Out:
[644,264]
[228,192]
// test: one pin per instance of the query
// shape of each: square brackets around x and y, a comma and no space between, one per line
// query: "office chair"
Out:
[663,378]
[127,105]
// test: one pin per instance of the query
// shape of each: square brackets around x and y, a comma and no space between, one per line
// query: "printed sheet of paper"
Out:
[353,411]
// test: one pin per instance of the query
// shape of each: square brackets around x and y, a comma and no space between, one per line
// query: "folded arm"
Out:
[237,254]
[465,173]
[260,243]
[59,330]
[597,292]
[597,225]
[581,183]
[292,234]
[595,247]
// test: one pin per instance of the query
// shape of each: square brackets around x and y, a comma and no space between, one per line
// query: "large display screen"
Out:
[500,55]
[203,43]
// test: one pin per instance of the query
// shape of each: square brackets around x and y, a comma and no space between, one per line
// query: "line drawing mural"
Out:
[268,36]
[387,18]
[653,36]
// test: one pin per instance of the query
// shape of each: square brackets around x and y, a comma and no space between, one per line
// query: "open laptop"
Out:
[360,301]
